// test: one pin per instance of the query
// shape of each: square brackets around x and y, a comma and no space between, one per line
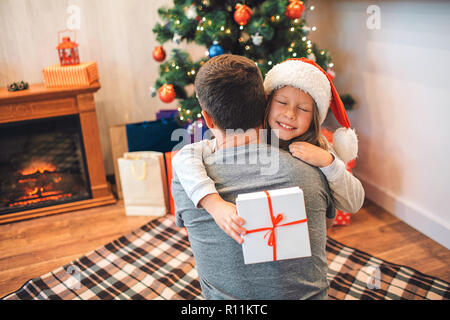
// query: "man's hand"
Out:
[225,215]
[311,154]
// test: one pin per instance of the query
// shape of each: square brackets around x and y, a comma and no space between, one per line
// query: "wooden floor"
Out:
[31,248]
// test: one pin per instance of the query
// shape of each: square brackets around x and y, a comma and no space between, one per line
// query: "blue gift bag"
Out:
[155,136]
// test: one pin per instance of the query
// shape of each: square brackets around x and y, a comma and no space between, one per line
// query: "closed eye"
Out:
[281,102]
[302,109]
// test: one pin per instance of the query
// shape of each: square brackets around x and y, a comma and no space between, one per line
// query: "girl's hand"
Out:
[227,219]
[311,154]
[225,215]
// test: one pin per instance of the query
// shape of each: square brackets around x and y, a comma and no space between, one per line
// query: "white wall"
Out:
[399,76]
[115,33]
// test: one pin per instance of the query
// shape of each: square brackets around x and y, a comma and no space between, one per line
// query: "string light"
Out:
[222,28]
[314,28]
[312,8]
[331,65]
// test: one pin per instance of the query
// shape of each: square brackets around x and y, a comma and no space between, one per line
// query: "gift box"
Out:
[166,114]
[168,157]
[276,224]
[83,74]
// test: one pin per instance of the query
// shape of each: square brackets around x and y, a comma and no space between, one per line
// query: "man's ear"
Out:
[209,121]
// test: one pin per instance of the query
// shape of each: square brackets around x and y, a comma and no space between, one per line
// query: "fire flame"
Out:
[34,194]
[38,166]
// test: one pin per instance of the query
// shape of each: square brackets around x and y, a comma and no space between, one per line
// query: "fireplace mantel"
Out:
[39,102]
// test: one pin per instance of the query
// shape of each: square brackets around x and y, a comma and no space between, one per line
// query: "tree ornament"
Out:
[176,38]
[159,54]
[215,50]
[295,9]
[166,93]
[191,12]
[257,39]
[306,29]
[152,92]
[331,73]
[242,14]
[312,56]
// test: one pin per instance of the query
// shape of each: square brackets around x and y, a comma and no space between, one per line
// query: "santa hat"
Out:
[309,77]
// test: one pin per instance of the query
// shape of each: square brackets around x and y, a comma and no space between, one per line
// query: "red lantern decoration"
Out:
[67,50]
[295,9]
[242,14]
[159,54]
[166,93]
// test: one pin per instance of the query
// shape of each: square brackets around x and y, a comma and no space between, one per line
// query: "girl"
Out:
[299,96]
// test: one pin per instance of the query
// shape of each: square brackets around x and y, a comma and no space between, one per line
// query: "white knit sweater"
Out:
[347,191]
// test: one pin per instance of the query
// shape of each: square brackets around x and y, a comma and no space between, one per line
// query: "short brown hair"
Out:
[230,88]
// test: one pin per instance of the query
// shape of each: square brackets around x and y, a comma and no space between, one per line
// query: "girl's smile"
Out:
[291,112]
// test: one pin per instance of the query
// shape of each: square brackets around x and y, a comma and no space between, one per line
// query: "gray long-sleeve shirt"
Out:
[219,259]
[188,163]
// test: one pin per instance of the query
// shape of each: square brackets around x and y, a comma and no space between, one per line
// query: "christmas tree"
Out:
[268,32]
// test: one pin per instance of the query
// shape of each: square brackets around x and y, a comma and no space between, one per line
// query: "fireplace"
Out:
[42,163]
[50,153]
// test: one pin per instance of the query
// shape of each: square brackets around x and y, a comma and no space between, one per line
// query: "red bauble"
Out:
[166,93]
[159,54]
[242,14]
[295,9]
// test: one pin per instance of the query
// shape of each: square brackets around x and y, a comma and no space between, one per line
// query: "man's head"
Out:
[230,89]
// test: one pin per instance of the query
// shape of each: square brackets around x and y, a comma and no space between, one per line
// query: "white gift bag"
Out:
[144,183]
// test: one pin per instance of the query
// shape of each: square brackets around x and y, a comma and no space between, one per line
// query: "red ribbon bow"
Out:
[272,242]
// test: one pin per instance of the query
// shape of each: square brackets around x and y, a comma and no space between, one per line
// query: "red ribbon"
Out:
[272,241]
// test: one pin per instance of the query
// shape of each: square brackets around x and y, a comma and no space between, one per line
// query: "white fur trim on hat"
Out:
[303,76]
[345,143]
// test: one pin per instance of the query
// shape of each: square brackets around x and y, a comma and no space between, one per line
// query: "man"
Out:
[230,91]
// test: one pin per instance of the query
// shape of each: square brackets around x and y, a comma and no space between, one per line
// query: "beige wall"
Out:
[399,77]
[115,33]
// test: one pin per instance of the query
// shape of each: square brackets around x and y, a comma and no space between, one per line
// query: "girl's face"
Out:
[291,112]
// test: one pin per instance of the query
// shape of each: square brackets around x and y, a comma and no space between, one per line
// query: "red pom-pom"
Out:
[242,14]
[167,93]
[159,54]
[295,9]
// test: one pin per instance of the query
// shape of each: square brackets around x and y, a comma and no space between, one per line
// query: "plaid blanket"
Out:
[156,262]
